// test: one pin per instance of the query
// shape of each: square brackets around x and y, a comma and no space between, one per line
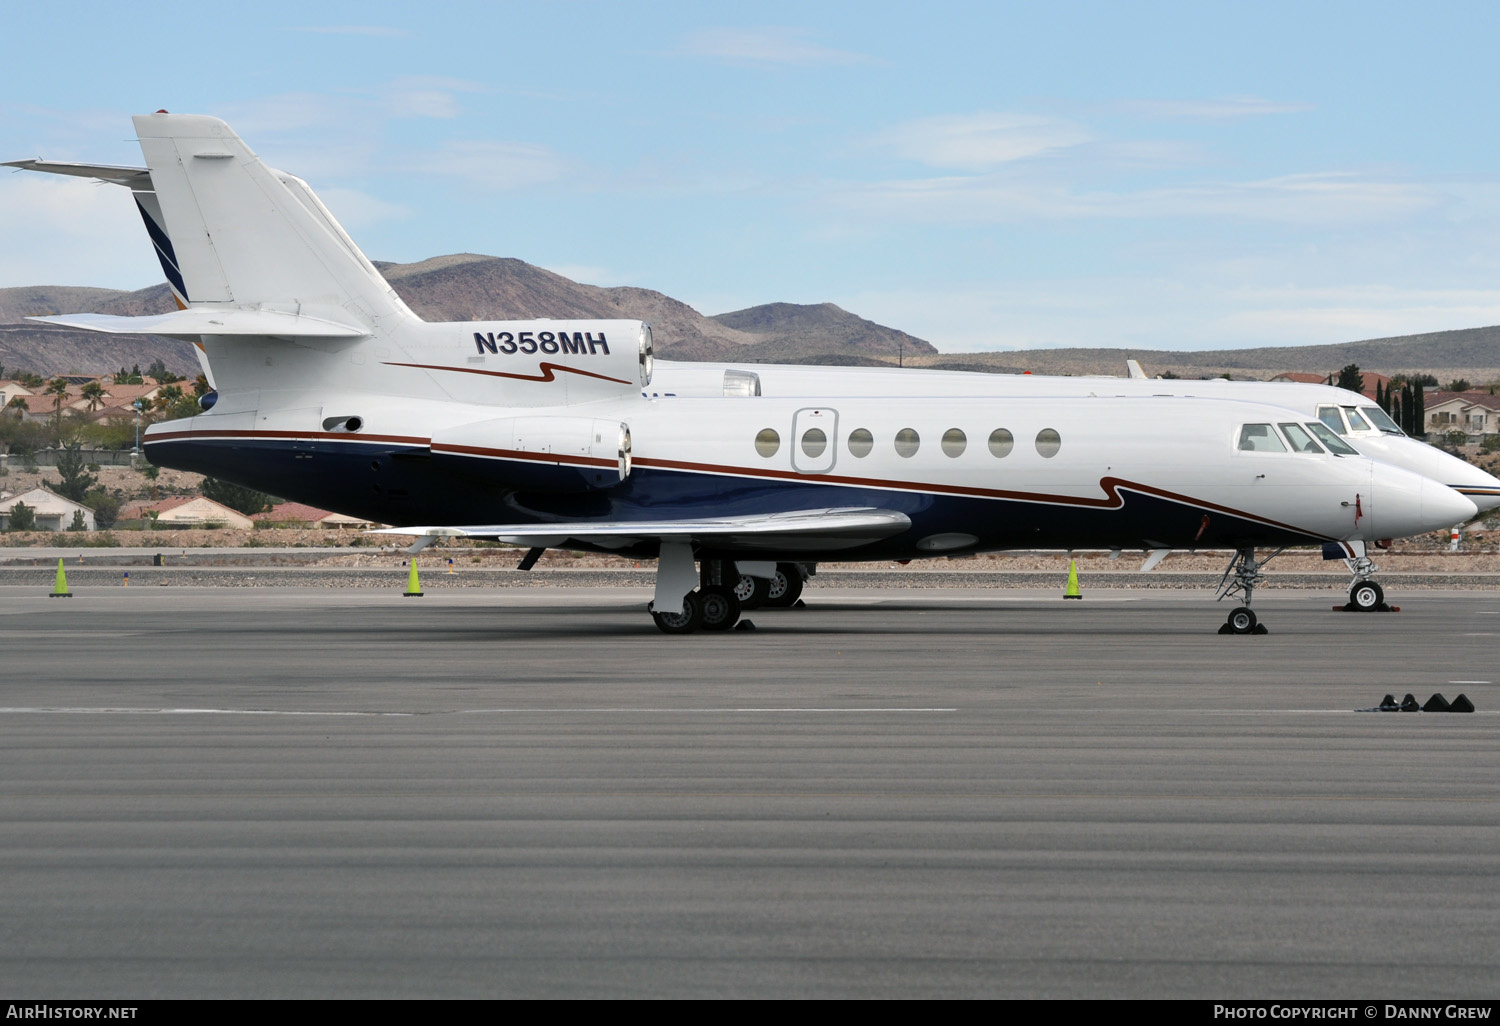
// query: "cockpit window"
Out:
[1300,439]
[1330,415]
[1332,441]
[1356,422]
[1381,420]
[1260,438]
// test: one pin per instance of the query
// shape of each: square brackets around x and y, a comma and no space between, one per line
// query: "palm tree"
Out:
[58,389]
[94,393]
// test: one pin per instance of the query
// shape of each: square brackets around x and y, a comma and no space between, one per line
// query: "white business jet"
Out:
[1347,421]
[330,391]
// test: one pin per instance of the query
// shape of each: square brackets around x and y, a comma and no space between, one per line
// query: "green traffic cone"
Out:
[1072,589]
[60,589]
[413,589]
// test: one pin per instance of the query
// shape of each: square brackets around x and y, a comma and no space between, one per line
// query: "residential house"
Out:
[303,515]
[1476,413]
[187,511]
[53,512]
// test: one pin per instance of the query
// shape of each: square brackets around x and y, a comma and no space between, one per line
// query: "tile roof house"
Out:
[301,513]
[1475,412]
[53,512]
[187,511]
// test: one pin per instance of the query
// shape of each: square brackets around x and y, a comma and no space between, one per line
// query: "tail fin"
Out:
[246,235]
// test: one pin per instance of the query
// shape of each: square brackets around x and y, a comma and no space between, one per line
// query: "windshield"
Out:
[1382,420]
[1334,442]
[1330,415]
[1356,422]
[1260,438]
[1301,440]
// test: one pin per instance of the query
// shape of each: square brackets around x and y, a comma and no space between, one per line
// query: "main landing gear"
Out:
[1242,575]
[723,590]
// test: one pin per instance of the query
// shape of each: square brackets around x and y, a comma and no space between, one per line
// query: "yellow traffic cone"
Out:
[450,566]
[60,589]
[1072,589]
[413,589]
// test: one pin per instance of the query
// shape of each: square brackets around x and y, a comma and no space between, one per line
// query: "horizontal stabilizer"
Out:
[132,177]
[823,527]
[193,322]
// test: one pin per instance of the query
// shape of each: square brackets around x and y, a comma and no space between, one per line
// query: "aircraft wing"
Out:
[195,321]
[808,529]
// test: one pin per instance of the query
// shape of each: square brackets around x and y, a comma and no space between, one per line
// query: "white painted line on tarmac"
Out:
[1470,682]
[126,711]
[622,710]
[725,709]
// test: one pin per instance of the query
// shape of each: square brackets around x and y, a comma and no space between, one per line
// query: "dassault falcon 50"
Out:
[545,433]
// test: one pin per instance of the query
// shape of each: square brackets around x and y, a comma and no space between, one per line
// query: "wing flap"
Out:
[799,530]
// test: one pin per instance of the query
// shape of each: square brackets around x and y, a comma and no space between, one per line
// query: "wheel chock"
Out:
[1388,704]
[1461,704]
[1409,704]
[1350,607]
[1259,628]
[1437,703]
[799,604]
[745,625]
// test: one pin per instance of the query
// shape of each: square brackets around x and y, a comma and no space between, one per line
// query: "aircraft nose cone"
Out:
[1404,504]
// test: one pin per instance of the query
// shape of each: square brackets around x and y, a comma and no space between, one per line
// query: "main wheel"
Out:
[685,622]
[1242,620]
[1366,596]
[786,586]
[752,591]
[720,608]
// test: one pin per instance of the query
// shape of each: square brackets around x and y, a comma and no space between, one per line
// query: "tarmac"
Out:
[300,792]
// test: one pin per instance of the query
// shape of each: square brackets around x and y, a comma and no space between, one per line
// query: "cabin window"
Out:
[954,443]
[860,443]
[1300,439]
[1330,415]
[907,443]
[1048,442]
[814,441]
[1331,441]
[767,442]
[1001,443]
[1260,438]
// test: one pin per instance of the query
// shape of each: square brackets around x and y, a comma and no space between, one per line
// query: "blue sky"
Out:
[983,175]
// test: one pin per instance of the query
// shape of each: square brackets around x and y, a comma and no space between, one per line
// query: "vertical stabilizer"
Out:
[248,235]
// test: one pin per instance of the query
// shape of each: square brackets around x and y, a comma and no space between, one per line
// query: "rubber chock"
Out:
[1409,704]
[1461,704]
[799,604]
[1260,628]
[745,625]
[1437,703]
[1224,628]
[1388,704]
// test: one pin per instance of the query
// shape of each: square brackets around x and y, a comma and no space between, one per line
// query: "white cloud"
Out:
[493,164]
[1316,199]
[417,96]
[978,142]
[1210,110]
[356,210]
[71,232]
[760,46]
[1146,313]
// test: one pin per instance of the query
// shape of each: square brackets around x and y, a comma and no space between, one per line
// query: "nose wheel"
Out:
[1241,577]
[1366,597]
[1243,621]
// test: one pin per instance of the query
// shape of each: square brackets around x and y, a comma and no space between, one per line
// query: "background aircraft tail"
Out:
[248,236]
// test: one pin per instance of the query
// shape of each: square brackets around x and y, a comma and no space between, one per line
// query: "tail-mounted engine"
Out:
[545,454]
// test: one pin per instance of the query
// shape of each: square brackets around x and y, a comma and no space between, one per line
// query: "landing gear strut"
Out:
[1242,575]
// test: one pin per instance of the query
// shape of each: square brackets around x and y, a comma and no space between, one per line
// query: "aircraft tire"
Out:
[720,608]
[785,587]
[685,622]
[752,591]
[1242,621]
[1366,596]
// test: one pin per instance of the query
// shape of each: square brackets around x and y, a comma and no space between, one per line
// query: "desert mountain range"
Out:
[467,286]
